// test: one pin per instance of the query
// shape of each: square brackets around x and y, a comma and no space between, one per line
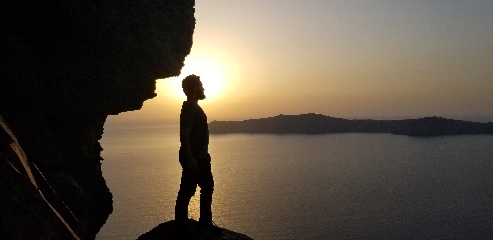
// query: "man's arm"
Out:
[190,162]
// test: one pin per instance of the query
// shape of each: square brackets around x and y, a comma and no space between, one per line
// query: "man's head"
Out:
[192,87]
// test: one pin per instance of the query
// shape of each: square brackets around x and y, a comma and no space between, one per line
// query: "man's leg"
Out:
[206,184]
[187,190]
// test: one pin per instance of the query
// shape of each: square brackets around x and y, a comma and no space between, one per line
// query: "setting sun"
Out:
[211,75]
[219,70]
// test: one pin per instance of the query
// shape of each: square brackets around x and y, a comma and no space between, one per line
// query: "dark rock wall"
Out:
[64,66]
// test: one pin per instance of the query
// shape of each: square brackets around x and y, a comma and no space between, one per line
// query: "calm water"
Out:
[339,186]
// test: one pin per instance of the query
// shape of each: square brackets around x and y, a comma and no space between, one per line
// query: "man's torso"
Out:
[194,117]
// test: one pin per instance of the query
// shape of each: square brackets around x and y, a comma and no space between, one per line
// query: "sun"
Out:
[219,72]
[211,75]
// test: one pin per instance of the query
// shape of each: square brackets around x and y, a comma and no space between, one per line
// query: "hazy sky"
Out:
[339,58]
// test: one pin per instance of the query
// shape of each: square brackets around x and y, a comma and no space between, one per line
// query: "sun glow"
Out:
[211,75]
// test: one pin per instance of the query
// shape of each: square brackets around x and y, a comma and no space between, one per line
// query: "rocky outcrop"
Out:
[170,231]
[64,67]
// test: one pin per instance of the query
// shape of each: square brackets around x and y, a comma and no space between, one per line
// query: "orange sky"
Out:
[340,58]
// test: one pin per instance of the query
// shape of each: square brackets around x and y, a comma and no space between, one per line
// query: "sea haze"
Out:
[331,186]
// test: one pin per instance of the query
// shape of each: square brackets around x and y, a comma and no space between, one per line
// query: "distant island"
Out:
[312,123]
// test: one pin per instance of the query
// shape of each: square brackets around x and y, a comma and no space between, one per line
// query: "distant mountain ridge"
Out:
[312,123]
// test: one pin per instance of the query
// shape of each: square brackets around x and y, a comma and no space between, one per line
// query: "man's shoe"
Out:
[210,227]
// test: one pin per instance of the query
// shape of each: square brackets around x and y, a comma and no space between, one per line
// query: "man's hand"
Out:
[192,164]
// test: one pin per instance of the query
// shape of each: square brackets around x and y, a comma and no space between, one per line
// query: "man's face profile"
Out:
[199,91]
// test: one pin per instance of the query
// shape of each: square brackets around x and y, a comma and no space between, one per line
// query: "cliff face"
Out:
[64,67]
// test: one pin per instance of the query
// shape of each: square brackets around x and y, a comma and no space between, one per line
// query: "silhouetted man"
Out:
[194,158]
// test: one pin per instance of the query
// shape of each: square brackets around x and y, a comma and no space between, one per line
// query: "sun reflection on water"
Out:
[194,206]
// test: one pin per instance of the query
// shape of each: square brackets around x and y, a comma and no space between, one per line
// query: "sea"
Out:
[291,187]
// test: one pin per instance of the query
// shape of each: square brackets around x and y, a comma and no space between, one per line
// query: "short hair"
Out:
[189,83]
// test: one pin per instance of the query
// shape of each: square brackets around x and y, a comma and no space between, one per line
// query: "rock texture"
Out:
[65,65]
